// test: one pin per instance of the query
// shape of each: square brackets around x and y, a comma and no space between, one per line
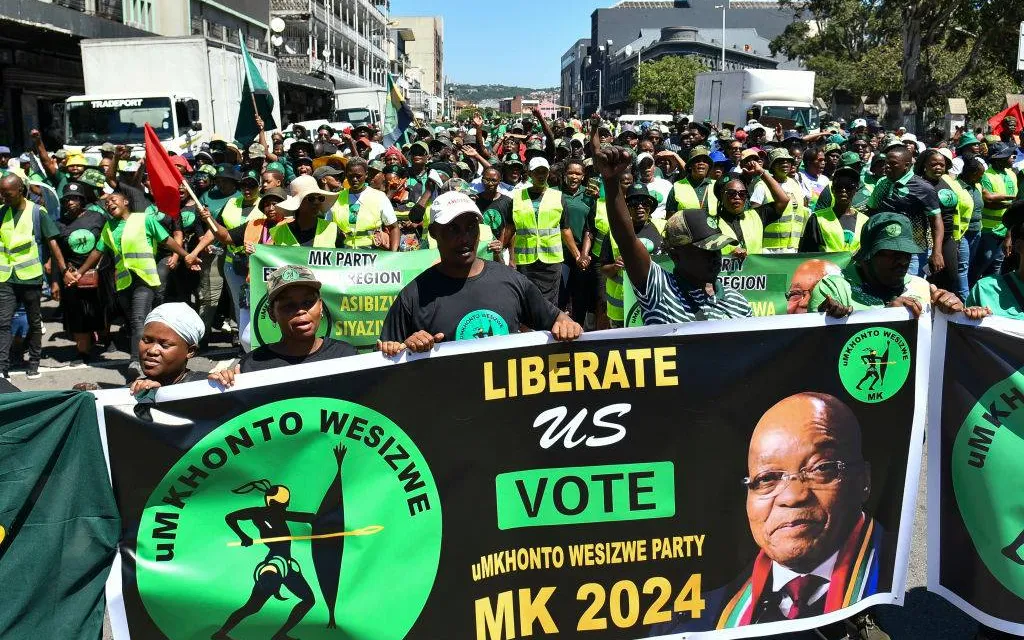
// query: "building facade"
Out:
[744,49]
[327,45]
[612,28]
[426,53]
[571,94]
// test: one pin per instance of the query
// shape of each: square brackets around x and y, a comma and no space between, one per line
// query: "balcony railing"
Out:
[299,63]
[290,6]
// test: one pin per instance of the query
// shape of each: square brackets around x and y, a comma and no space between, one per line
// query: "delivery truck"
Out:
[769,96]
[360,106]
[186,88]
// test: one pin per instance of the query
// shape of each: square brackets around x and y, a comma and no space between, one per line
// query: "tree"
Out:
[667,84]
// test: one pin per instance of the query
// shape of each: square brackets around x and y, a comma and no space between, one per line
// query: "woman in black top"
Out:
[83,307]
[170,337]
[293,296]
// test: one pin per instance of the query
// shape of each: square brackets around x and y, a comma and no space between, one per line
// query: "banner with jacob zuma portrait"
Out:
[749,477]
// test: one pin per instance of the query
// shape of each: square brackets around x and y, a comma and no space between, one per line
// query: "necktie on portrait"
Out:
[800,589]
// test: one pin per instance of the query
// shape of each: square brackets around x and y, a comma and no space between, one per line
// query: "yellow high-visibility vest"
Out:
[135,253]
[18,250]
[538,235]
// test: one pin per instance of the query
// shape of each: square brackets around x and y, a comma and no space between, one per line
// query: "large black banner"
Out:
[976,452]
[745,476]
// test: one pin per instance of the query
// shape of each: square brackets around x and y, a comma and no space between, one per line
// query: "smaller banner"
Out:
[358,288]
[59,524]
[976,474]
[774,284]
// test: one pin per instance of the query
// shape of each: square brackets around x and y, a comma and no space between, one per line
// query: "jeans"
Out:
[211,284]
[10,296]
[235,283]
[919,264]
[973,238]
[988,258]
[136,302]
[163,271]
[962,263]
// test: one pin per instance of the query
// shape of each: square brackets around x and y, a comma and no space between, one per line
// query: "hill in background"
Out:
[478,92]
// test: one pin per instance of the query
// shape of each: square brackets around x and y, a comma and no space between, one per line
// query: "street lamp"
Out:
[723,7]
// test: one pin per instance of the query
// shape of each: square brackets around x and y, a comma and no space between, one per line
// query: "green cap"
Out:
[275,166]
[288,276]
[891,231]
[849,159]
[778,154]
[890,141]
[967,139]
[94,178]
[832,146]
[696,227]
[208,169]
[250,176]
[696,152]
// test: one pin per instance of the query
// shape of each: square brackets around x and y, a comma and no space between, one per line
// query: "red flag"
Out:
[996,121]
[164,177]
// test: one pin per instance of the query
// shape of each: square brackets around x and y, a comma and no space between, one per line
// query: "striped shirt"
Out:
[664,301]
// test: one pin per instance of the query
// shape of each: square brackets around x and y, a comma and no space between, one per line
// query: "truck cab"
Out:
[786,113]
[91,120]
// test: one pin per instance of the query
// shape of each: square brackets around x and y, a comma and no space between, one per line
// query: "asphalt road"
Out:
[925,616]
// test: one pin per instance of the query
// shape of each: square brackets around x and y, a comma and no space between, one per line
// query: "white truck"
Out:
[185,88]
[360,106]
[770,96]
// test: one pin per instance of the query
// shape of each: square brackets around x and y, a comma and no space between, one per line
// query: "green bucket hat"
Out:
[849,159]
[890,231]
[778,154]
[967,139]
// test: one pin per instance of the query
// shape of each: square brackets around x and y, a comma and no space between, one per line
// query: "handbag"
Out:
[89,280]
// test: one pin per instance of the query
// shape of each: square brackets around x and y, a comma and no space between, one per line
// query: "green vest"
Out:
[601,227]
[231,216]
[613,285]
[358,234]
[18,250]
[784,233]
[538,235]
[1003,183]
[964,206]
[753,232]
[686,196]
[325,238]
[135,255]
[832,231]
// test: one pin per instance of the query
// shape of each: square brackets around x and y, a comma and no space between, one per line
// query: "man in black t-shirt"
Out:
[464,297]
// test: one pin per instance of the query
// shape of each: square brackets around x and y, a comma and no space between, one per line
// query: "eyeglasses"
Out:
[353,213]
[736,193]
[314,197]
[770,483]
[291,308]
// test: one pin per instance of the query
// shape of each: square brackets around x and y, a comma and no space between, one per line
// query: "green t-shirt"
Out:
[575,211]
[155,233]
[214,200]
[995,293]
[849,289]
[59,182]
[48,229]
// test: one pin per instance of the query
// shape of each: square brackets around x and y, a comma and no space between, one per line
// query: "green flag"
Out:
[59,524]
[255,96]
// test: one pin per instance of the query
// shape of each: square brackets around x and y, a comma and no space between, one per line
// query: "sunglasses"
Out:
[315,197]
[736,193]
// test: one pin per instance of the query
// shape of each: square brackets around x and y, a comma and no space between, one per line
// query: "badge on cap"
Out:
[713,221]
[893,230]
[289,275]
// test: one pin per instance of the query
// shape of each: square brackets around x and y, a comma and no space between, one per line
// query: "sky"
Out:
[482,46]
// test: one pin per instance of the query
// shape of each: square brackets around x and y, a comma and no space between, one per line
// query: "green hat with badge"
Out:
[697,152]
[289,275]
[849,159]
[640,193]
[250,176]
[778,154]
[886,231]
[890,141]
[94,178]
[275,166]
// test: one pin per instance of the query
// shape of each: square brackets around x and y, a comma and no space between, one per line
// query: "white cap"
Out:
[643,156]
[859,122]
[908,137]
[538,161]
[450,205]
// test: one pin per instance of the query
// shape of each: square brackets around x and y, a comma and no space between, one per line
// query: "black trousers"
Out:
[10,296]
[136,302]
[547,277]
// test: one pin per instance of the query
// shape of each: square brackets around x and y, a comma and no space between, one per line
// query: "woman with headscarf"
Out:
[83,306]
[170,337]
[294,304]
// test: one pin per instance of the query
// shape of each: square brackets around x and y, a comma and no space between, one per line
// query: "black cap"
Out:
[293,150]
[703,128]
[327,170]
[639,190]
[696,227]
[229,172]
[77,189]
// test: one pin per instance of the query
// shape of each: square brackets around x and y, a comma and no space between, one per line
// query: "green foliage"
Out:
[666,85]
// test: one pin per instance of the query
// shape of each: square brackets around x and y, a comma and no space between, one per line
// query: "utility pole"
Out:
[723,7]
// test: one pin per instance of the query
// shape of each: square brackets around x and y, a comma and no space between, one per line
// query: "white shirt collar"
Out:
[781,575]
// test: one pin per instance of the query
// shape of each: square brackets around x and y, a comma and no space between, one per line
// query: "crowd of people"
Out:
[560,211]
[565,208]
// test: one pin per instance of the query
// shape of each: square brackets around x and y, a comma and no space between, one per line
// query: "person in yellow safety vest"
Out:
[641,205]
[998,190]
[305,225]
[536,230]
[742,223]
[235,213]
[131,239]
[364,214]
[597,231]
[837,227]
[695,191]
[783,235]
[21,269]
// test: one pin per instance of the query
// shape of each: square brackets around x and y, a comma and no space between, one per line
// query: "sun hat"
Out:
[303,186]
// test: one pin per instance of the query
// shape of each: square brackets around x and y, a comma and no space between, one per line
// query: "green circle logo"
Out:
[647,244]
[482,323]
[874,364]
[893,230]
[303,549]
[712,221]
[986,467]
[81,241]
[635,316]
